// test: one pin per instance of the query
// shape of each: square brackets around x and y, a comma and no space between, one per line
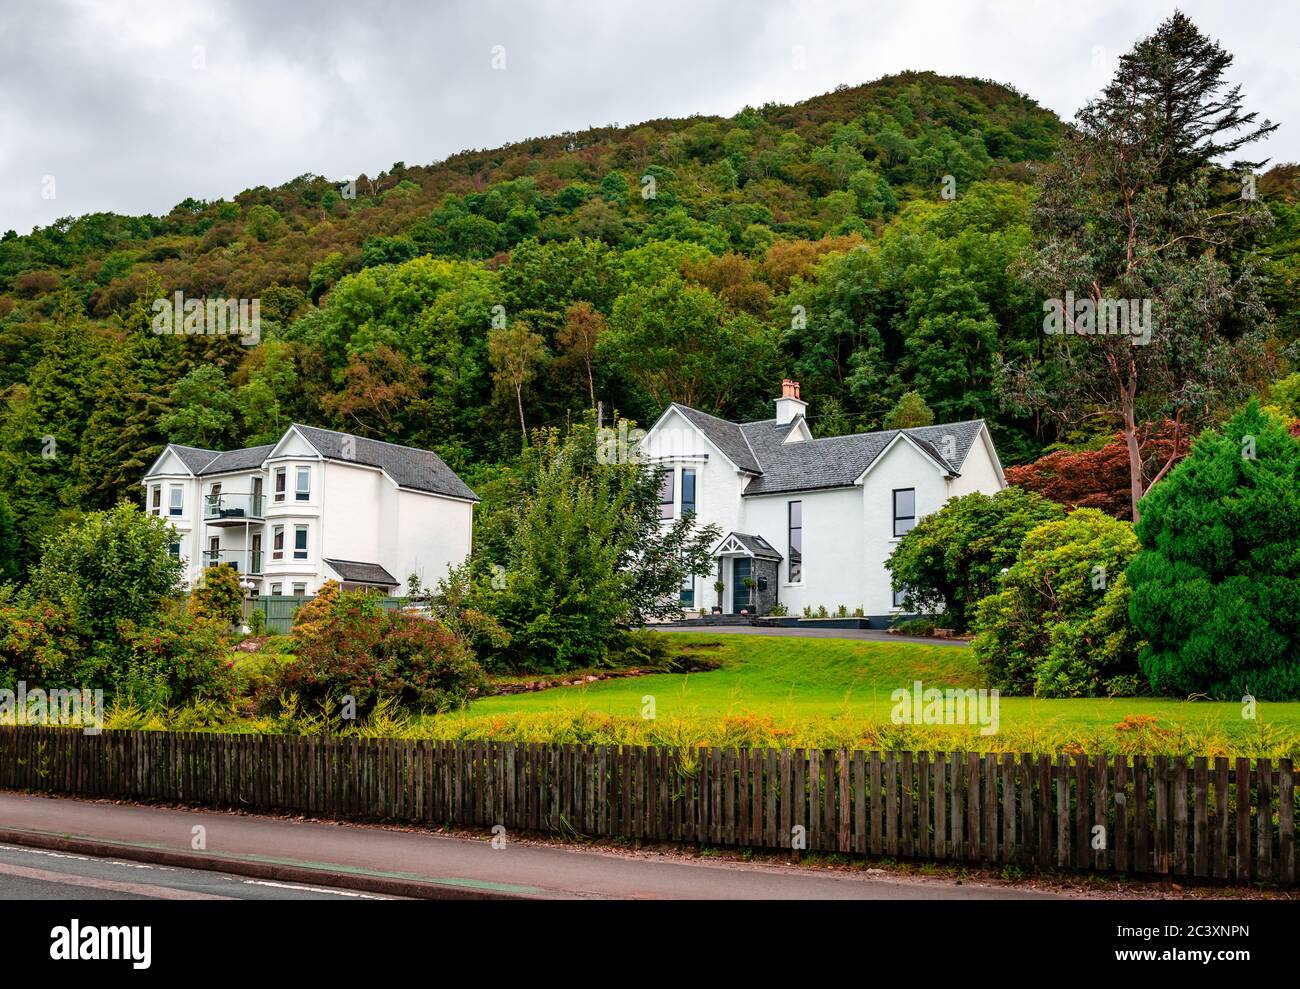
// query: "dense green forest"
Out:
[864,242]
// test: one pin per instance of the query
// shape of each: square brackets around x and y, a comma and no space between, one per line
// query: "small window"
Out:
[279,483]
[300,542]
[688,590]
[302,487]
[899,595]
[174,550]
[904,510]
[796,541]
[299,590]
[176,500]
[688,491]
[155,500]
[666,496]
[277,590]
[277,543]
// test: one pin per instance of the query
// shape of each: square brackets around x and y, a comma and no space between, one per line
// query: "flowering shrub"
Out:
[358,650]
[168,659]
[173,659]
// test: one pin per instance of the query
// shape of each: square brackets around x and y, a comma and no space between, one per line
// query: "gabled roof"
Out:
[755,546]
[831,462]
[420,470]
[361,573]
[726,436]
[248,458]
[193,457]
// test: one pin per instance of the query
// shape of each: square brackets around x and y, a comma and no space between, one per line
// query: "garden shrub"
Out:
[370,654]
[113,564]
[175,658]
[1216,586]
[1058,627]
[319,608]
[219,597]
[951,560]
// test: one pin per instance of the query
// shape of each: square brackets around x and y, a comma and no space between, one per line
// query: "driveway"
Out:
[868,634]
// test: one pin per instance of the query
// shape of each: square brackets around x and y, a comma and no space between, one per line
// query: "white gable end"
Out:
[168,463]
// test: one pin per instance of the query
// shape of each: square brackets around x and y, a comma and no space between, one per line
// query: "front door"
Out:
[741,568]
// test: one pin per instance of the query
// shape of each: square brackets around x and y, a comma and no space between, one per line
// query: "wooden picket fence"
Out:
[1214,819]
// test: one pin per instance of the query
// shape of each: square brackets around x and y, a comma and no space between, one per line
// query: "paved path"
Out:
[523,870]
[869,634]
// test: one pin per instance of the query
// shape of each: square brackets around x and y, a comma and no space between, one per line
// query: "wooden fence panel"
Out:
[1136,816]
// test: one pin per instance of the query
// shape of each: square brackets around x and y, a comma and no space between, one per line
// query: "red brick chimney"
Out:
[789,405]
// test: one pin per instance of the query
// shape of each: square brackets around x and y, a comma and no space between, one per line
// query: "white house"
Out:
[810,522]
[315,506]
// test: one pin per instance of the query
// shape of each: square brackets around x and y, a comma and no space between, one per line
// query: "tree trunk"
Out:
[591,385]
[519,399]
[1134,459]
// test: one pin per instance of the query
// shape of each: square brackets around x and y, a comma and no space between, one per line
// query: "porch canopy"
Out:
[744,544]
[744,557]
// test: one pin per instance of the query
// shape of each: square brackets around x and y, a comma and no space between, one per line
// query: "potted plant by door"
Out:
[718,586]
[750,584]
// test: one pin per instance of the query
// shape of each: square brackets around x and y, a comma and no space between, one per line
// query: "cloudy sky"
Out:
[132,106]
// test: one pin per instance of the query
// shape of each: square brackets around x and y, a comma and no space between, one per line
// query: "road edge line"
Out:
[359,882]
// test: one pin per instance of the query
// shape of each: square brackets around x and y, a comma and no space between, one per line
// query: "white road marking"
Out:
[312,889]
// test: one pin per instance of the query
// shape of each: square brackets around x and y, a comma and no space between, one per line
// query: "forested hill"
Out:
[772,168]
[859,241]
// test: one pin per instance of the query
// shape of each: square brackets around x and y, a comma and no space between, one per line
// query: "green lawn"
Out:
[831,691]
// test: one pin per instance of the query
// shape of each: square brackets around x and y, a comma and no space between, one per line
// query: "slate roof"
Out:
[757,545]
[361,573]
[194,458]
[725,435]
[245,459]
[831,462]
[419,470]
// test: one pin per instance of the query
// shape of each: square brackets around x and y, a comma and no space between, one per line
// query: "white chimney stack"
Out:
[789,405]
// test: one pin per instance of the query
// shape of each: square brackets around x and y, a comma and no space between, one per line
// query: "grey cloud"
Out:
[106,100]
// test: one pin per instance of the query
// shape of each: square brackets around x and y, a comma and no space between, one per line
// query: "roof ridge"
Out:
[367,439]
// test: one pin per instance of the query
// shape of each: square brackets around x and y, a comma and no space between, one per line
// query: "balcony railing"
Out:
[233,507]
[240,560]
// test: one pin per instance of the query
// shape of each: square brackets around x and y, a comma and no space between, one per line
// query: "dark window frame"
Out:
[667,495]
[904,518]
[794,563]
[689,473]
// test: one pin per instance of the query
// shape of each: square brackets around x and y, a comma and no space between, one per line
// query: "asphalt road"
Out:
[36,874]
[517,869]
